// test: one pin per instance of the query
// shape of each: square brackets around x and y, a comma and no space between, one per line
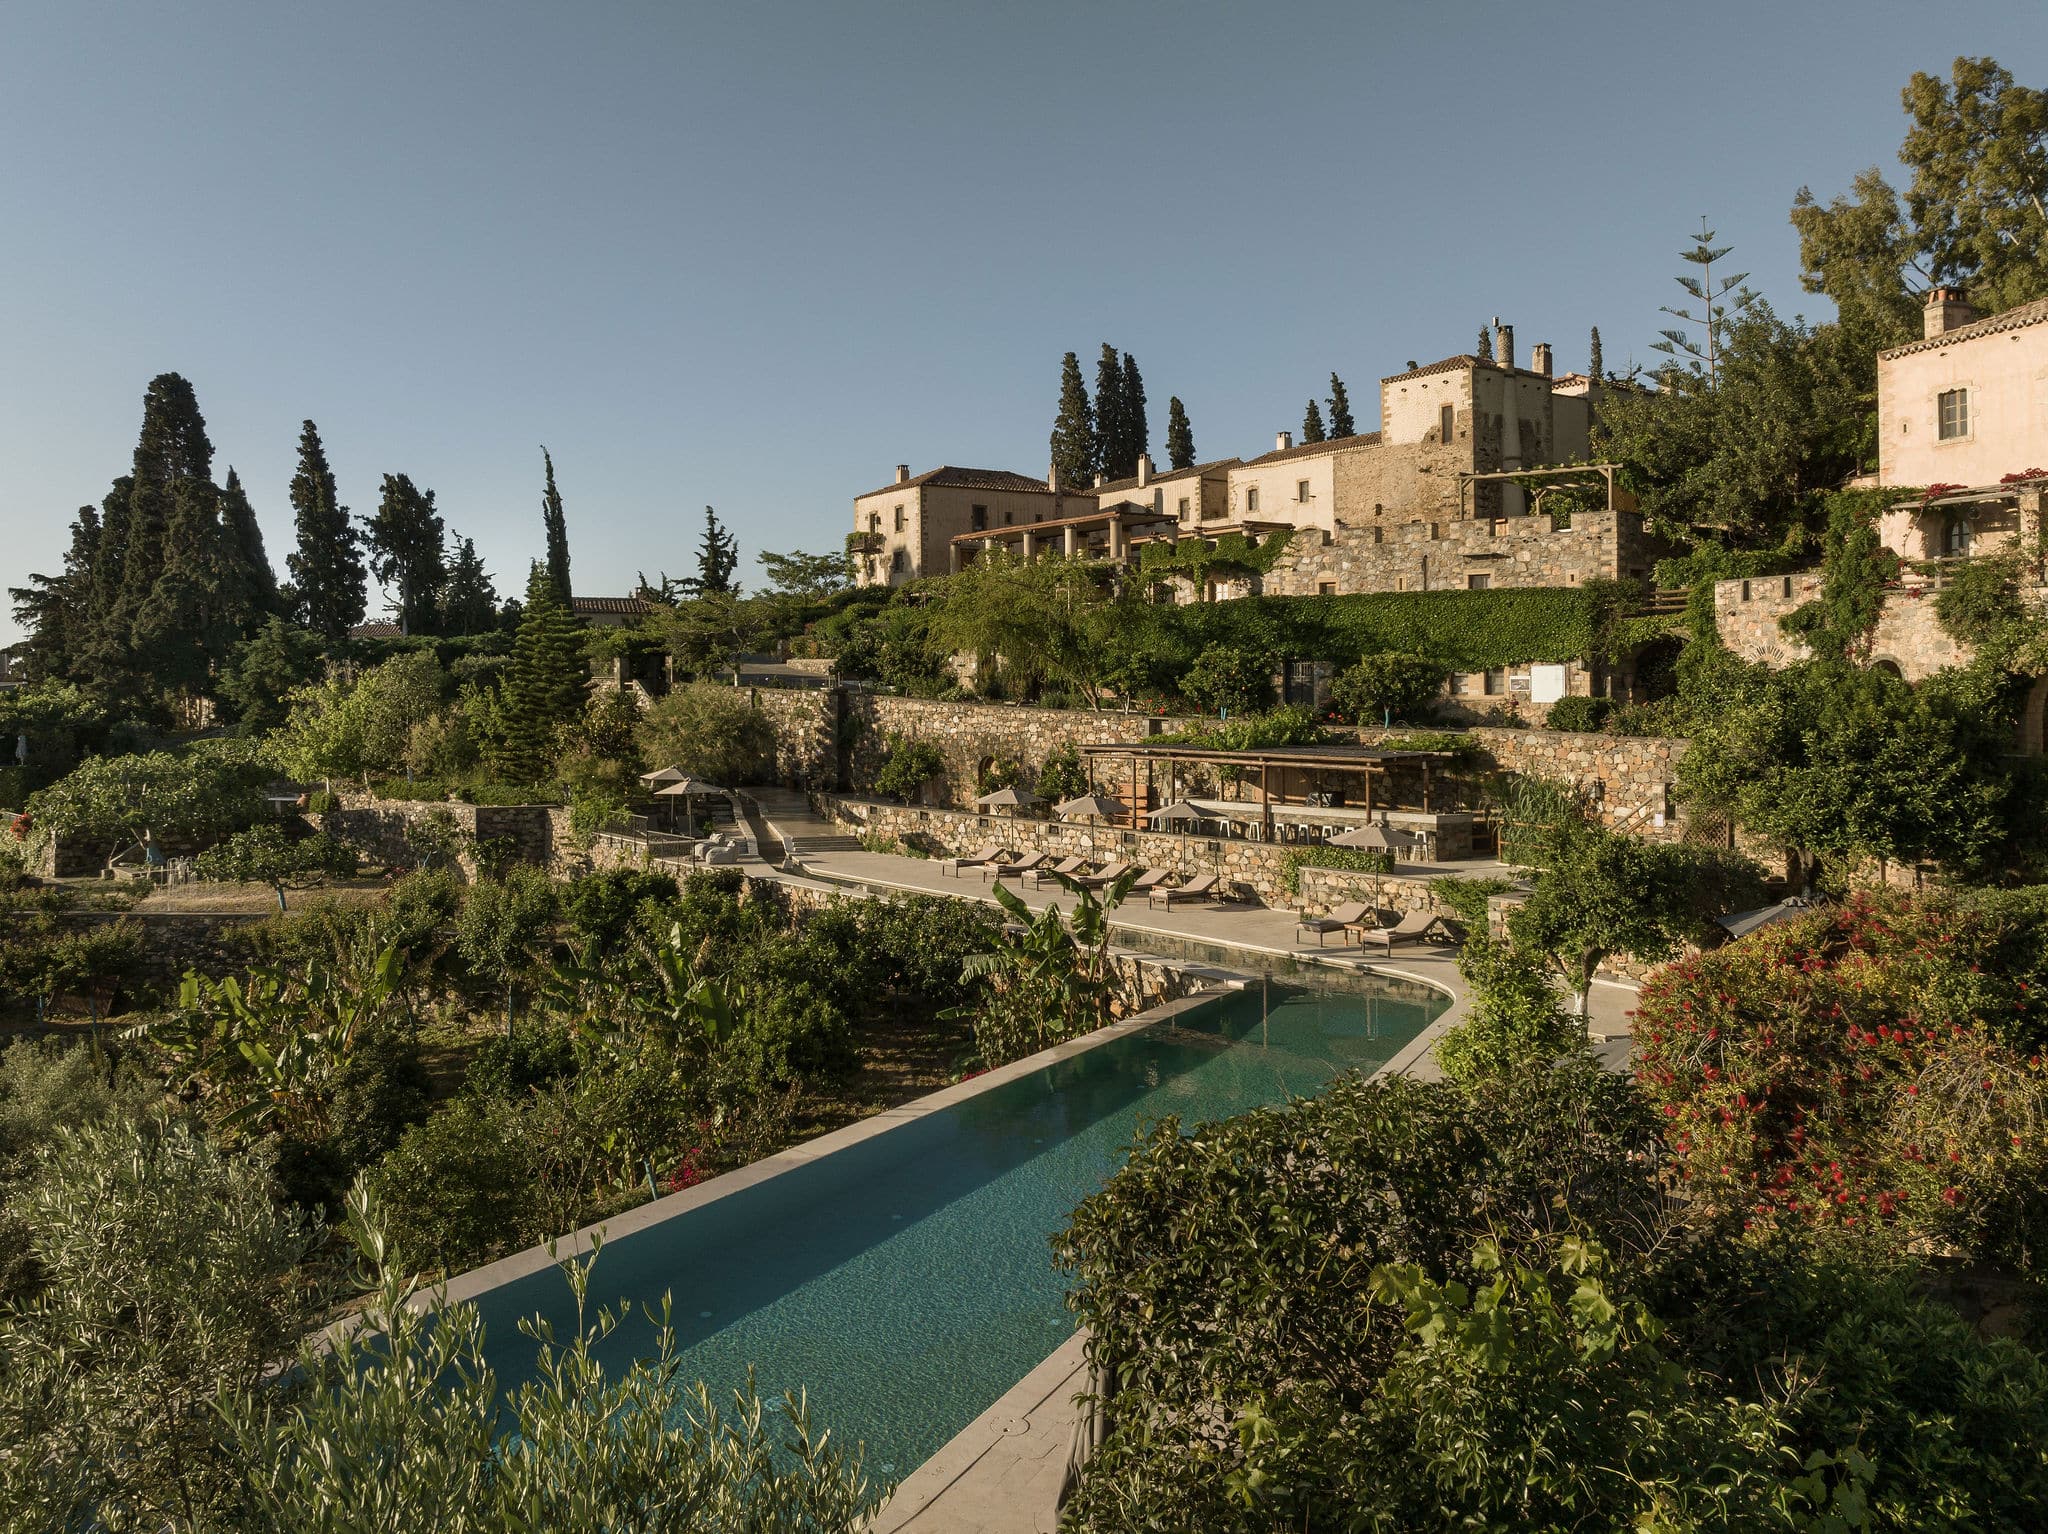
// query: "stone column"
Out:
[1067,540]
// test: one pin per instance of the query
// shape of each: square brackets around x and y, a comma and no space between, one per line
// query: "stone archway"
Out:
[2031,733]
[1886,663]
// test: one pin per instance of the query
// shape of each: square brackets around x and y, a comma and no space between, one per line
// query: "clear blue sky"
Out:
[755,255]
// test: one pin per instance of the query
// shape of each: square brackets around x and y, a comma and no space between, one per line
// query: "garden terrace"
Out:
[1292,793]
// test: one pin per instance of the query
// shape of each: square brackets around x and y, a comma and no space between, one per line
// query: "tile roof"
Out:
[1160,476]
[376,631]
[970,479]
[1310,449]
[2012,319]
[611,604]
[1449,365]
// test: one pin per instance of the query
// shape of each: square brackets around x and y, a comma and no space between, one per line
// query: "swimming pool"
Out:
[905,1280]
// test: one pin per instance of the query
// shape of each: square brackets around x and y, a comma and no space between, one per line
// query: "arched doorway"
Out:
[1889,666]
[2032,729]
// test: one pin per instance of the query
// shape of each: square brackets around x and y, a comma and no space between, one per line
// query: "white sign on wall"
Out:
[1546,684]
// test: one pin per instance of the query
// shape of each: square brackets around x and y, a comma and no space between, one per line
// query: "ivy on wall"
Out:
[1466,630]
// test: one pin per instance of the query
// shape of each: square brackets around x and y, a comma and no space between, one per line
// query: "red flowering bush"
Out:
[1873,1065]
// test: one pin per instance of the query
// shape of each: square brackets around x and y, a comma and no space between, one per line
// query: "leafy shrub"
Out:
[1466,898]
[1581,715]
[1226,679]
[1514,1023]
[908,767]
[1869,1066]
[459,1188]
[1403,686]
[1357,859]
[507,1067]
[193,798]
[1062,777]
[265,855]
[711,732]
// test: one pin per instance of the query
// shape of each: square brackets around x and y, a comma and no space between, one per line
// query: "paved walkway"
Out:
[1002,1473]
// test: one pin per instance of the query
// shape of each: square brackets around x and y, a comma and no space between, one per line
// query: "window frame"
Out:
[1952,427]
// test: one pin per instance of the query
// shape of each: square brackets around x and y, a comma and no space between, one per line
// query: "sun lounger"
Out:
[1202,887]
[1150,880]
[1065,868]
[1413,927]
[1103,878]
[989,854]
[1015,870]
[1351,915]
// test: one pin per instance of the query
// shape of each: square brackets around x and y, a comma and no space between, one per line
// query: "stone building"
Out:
[906,529]
[1963,412]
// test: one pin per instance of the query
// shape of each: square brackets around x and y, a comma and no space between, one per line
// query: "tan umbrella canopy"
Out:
[1099,805]
[1380,838]
[664,775]
[1008,799]
[1180,809]
[686,785]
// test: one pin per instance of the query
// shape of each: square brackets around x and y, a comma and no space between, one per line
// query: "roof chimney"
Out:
[902,473]
[1144,470]
[1052,478]
[1946,310]
[1101,479]
[1282,441]
[1503,344]
[1540,358]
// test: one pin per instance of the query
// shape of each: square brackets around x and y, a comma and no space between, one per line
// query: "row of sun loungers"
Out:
[1036,869]
[1415,927]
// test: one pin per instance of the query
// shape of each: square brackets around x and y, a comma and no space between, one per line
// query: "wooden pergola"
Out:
[1286,775]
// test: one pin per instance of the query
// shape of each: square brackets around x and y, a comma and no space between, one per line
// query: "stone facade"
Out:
[1396,551]
[537,834]
[909,526]
[1909,638]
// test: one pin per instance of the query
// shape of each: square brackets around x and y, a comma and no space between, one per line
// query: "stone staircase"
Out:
[796,829]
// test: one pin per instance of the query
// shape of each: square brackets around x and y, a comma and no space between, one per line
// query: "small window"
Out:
[1953,413]
[1788,587]
[977,519]
[874,521]
[1435,531]
[1400,583]
[1326,588]
[1301,491]
[1183,508]
[1496,683]
[1956,538]
[1446,419]
[899,519]
[1008,517]
[1376,535]
[899,562]
[1500,525]
[1251,498]
[1478,582]
[1745,591]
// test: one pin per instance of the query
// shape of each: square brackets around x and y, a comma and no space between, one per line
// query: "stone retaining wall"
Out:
[535,833]
[1908,635]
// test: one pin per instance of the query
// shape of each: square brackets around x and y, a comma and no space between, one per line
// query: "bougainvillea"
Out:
[1872,1065]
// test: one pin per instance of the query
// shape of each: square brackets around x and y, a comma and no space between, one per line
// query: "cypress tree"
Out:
[1312,424]
[240,519]
[1180,437]
[171,450]
[201,605]
[1594,365]
[56,610]
[718,556]
[545,684]
[408,551]
[1112,431]
[557,527]
[328,579]
[1073,428]
[1138,430]
[1341,424]
[1485,352]
[469,602]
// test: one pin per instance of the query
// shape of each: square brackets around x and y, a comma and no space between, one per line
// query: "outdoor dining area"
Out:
[1366,797]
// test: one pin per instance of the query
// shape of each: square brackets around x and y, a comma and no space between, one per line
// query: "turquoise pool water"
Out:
[906,1281]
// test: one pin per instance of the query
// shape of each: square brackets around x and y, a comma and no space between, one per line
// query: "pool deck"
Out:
[1002,1473]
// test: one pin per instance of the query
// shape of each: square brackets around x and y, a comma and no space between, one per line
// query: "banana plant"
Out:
[1063,959]
[674,1000]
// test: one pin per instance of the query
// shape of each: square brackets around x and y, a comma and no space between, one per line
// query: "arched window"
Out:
[1955,538]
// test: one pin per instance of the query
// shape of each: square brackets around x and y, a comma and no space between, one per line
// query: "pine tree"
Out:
[1593,362]
[1138,432]
[328,580]
[408,551]
[56,611]
[1312,424]
[1073,428]
[557,527]
[1712,318]
[545,684]
[1341,424]
[469,602]
[240,519]
[1485,352]
[718,556]
[1180,437]
[1112,430]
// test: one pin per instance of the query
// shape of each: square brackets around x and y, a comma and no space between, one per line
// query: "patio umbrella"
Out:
[1008,799]
[1099,805]
[1180,809]
[1381,838]
[664,775]
[686,787]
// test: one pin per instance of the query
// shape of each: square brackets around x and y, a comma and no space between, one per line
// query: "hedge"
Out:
[1467,630]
